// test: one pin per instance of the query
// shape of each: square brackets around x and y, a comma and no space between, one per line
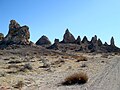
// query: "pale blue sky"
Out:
[52,17]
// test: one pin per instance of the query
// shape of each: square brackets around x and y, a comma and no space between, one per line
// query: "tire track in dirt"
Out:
[109,79]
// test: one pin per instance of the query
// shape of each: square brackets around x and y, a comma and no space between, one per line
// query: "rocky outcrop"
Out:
[105,44]
[85,40]
[99,42]
[78,40]
[56,41]
[112,43]
[68,37]
[43,41]
[1,36]
[54,46]
[94,39]
[17,34]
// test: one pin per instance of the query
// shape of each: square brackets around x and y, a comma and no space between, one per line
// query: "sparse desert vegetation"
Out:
[25,65]
[76,78]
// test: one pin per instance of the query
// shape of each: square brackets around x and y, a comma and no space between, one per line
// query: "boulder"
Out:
[43,41]
[68,37]
[17,34]
[1,36]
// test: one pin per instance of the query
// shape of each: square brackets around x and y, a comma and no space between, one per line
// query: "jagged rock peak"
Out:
[67,31]
[68,37]
[78,40]
[99,42]
[85,40]
[17,34]
[112,43]
[13,25]
[56,41]
[94,39]
[1,36]
[43,41]
[106,44]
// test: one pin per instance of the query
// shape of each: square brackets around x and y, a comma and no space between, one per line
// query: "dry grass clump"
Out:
[76,78]
[12,66]
[58,62]
[14,62]
[105,55]
[83,65]
[19,85]
[79,58]
[65,57]
[26,67]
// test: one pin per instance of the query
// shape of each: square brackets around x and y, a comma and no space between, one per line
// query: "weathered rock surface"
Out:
[17,34]
[43,41]
[1,36]
[68,37]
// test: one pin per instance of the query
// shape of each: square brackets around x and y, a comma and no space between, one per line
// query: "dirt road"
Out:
[109,79]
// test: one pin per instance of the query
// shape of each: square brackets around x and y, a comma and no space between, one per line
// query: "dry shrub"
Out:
[104,55]
[19,85]
[76,78]
[26,67]
[14,62]
[65,57]
[12,57]
[6,59]
[79,58]
[12,66]
[12,72]
[58,62]
[83,65]
[5,88]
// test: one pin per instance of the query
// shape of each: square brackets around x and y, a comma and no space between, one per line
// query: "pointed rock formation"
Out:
[94,39]
[99,42]
[105,44]
[68,37]
[13,25]
[1,36]
[112,43]
[85,40]
[17,34]
[55,45]
[43,41]
[78,40]
[56,41]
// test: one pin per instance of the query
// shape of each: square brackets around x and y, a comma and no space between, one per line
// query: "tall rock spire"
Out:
[17,34]
[78,40]
[68,37]
[112,43]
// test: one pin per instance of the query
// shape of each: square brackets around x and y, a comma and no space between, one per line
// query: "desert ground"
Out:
[36,68]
